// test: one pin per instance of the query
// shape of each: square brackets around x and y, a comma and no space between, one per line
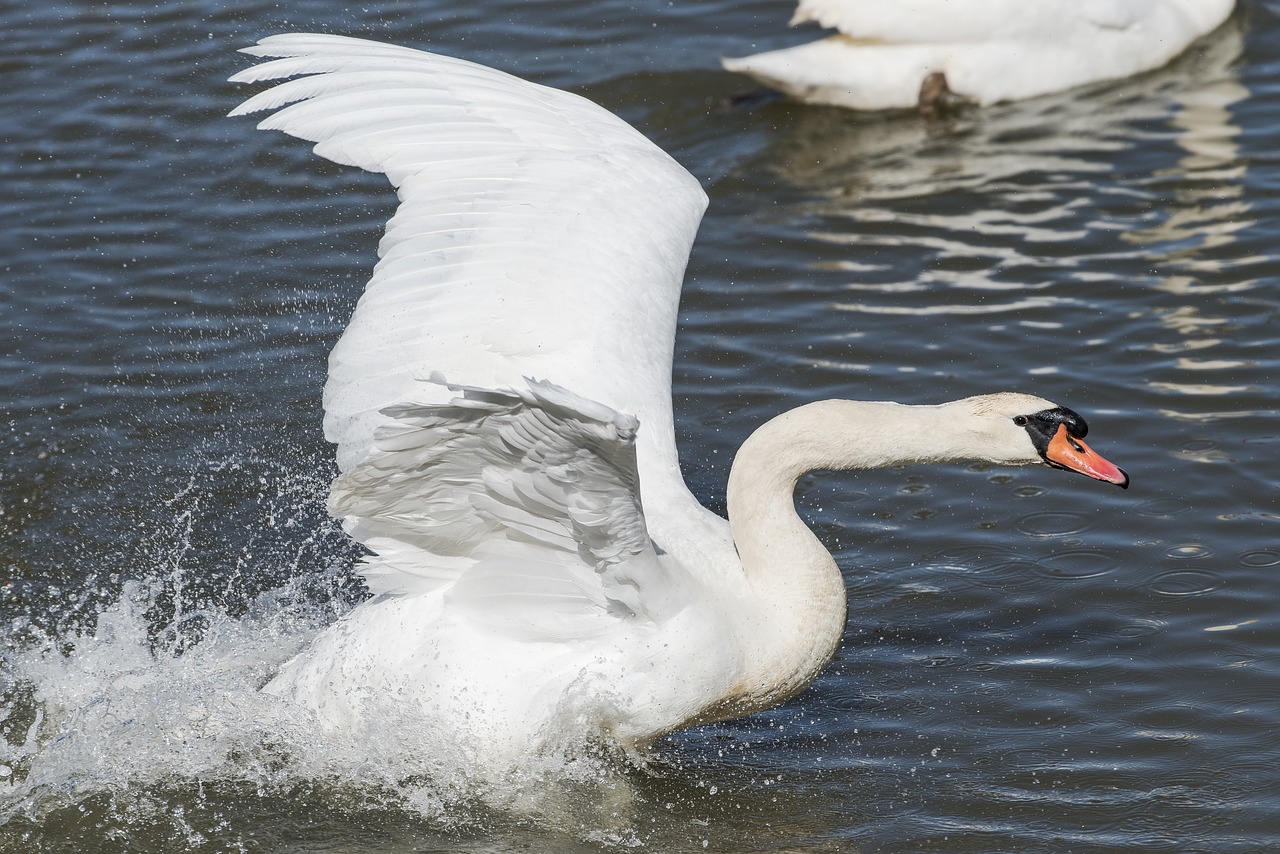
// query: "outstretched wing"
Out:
[538,235]
[524,503]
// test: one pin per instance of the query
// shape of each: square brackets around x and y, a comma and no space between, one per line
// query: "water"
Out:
[1033,662]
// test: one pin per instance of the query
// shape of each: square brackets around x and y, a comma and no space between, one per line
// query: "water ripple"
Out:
[1259,558]
[1188,551]
[1053,523]
[956,309]
[1186,582]
[1078,564]
[1140,628]
[1165,507]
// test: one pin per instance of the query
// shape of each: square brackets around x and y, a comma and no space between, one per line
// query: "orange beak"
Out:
[1067,452]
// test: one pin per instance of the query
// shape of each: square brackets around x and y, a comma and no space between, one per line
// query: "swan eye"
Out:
[1020,420]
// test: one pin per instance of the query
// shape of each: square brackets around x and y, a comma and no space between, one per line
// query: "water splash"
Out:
[109,710]
[149,719]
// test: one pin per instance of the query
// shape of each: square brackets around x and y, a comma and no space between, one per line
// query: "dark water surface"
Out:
[1034,662]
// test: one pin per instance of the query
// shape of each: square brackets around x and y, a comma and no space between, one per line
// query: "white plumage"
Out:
[988,50]
[501,405]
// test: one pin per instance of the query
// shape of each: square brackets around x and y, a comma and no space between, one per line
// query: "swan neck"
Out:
[797,590]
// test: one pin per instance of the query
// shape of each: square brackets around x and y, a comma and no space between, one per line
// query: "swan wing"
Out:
[537,235]
[521,504]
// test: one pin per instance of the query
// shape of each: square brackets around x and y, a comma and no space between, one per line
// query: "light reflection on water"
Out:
[1030,663]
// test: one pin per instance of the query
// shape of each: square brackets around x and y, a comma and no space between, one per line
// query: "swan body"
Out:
[986,51]
[501,405]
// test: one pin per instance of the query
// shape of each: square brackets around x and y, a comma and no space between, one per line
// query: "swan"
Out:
[501,406]
[903,55]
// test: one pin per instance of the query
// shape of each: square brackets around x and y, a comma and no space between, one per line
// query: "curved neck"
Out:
[799,594]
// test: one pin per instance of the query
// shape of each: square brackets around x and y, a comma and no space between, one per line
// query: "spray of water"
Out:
[161,692]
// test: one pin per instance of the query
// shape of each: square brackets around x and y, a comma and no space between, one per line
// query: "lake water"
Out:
[1033,661]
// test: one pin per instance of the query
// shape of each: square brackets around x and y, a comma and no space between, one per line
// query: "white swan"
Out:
[525,599]
[889,55]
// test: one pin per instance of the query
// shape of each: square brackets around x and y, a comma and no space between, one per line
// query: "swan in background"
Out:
[888,55]
[501,403]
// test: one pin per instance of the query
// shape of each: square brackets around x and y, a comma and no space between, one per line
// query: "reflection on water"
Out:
[1030,163]
[1208,183]
[899,198]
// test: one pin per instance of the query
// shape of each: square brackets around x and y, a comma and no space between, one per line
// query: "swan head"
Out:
[1041,432]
